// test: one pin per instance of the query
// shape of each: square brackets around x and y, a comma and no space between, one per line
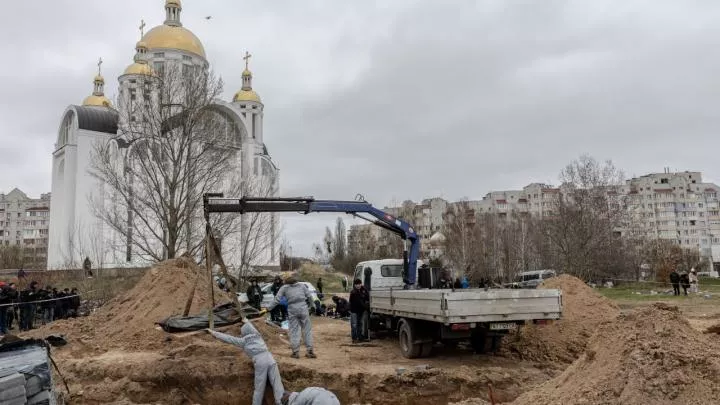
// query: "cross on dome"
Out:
[247,59]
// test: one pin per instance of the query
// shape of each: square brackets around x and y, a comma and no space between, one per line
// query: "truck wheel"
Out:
[406,336]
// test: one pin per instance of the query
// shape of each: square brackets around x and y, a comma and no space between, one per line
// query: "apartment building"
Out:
[24,223]
[676,206]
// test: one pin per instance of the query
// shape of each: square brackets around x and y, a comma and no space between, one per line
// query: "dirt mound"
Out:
[651,356]
[129,320]
[584,310]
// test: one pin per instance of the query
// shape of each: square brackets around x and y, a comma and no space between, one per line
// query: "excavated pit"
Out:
[118,355]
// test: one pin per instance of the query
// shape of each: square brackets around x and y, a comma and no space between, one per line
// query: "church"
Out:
[112,235]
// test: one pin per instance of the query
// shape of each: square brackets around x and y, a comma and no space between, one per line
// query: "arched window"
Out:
[222,128]
[65,129]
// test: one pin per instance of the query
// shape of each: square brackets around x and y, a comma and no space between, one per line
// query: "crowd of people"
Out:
[25,308]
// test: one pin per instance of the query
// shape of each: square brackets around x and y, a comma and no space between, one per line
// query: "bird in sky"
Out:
[208,17]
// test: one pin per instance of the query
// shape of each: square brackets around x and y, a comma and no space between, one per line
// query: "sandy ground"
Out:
[118,355]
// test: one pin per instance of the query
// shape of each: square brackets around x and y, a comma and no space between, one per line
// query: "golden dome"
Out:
[97,101]
[99,78]
[141,45]
[246,72]
[173,37]
[173,2]
[247,95]
[138,69]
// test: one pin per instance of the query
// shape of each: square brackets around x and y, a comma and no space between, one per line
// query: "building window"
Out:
[185,57]
[187,71]
[159,67]
[159,55]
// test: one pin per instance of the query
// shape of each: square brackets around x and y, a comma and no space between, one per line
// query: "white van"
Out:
[532,279]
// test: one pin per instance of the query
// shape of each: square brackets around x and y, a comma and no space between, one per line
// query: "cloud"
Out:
[408,100]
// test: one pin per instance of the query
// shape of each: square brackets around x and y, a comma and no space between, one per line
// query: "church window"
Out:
[65,130]
[159,54]
[159,67]
[132,81]
[185,57]
[242,106]
[132,94]
[187,71]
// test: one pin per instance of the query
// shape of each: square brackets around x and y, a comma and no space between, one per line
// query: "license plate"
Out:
[502,326]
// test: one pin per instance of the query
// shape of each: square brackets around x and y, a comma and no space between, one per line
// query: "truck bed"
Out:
[468,306]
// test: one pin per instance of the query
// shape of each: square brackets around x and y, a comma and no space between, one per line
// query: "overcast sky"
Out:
[399,99]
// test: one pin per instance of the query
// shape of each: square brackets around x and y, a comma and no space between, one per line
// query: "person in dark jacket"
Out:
[279,313]
[8,296]
[458,284]
[28,307]
[359,303]
[46,308]
[685,281]
[74,302]
[445,281]
[5,307]
[320,285]
[342,307]
[255,295]
[675,281]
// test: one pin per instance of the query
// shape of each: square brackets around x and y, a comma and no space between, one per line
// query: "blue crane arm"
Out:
[216,203]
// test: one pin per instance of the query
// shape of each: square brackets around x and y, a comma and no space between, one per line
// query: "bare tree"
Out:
[462,239]
[365,246]
[340,240]
[584,216]
[260,233]
[10,257]
[172,147]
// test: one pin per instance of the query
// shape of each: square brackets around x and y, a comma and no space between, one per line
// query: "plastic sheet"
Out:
[223,315]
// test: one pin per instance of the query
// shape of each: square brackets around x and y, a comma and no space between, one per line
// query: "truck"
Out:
[412,307]
[424,316]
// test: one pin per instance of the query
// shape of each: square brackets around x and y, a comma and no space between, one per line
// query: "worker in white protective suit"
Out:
[300,300]
[266,368]
[310,396]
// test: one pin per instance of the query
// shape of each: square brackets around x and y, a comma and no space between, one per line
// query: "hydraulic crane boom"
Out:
[216,203]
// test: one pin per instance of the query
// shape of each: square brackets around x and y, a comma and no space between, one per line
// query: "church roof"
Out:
[97,119]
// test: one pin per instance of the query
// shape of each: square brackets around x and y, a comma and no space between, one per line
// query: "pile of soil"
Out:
[650,356]
[129,320]
[584,310]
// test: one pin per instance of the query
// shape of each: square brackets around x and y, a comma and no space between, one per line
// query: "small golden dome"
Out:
[246,73]
[247,95]
[172,37]
[97,101]
[138,69]
[99,78]
[141,45]
[173,2]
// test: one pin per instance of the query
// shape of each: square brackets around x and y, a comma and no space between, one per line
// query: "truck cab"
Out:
[384,274]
